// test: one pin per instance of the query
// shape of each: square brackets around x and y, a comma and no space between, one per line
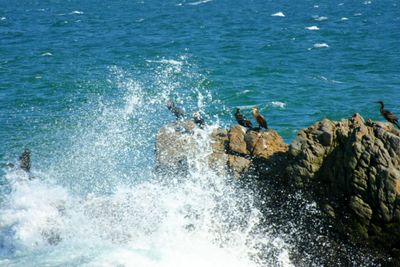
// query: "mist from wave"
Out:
[102,204]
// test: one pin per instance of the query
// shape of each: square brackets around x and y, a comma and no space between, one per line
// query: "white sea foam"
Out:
[316,6]
[77,12]
[46,54]
[320,18]
[321,45]
[278,104]
[278,14]
[199,2]
[312,28]
[357,14]
[344,18]
[3,18]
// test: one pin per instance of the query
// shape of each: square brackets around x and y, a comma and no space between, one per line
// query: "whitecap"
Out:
[3,18]
[357,14]
[278,14]
[278,104]
[46,54]
[77,12]
[321,45]
[199,2]
[170,62]
[341,4]
[316,6]
[320,18]
[312,28]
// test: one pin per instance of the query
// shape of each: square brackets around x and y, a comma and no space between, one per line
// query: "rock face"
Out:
[350,168]
[353,169]
[232,151]
[174,143]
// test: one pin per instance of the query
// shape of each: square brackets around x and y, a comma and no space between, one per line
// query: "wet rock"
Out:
[174,143]
[353,167]
[238,165]
[236,140]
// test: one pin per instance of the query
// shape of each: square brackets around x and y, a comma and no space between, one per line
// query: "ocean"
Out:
[84,86]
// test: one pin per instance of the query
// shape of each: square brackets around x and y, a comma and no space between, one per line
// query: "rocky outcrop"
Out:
[351,168]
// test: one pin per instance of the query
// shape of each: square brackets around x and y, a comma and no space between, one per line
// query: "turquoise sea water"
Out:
[84,84]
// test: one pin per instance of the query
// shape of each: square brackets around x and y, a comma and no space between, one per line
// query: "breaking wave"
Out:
[102,203]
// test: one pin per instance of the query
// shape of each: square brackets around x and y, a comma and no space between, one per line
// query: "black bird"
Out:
[198,119]
[176,111]
[389,116]
[262,122]
[242,120]
[25,160]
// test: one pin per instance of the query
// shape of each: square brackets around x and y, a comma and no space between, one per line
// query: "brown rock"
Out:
[238,165]
[236,140]
[264,144]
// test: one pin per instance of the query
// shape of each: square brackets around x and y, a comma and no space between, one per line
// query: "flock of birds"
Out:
[25,158]
[260,119]
[242,120]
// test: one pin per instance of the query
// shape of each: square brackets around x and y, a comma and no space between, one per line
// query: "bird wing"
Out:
[261,120]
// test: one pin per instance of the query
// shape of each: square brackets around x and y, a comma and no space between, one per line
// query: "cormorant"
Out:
[176,111]
[259,118]
[25,160]
[198,119]
[242,120]
[389,116]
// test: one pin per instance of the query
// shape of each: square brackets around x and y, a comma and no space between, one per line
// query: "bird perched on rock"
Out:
[198,119]
[175,110]
[242,120]
[259,118]
[25,160]
[389,116]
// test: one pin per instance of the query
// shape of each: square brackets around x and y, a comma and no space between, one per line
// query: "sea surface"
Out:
[83,85]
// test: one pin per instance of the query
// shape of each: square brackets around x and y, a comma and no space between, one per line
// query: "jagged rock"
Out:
[230,149]
[238,165]
[236,140]
[218,159]
[264,144]
[353,167]
[174,143]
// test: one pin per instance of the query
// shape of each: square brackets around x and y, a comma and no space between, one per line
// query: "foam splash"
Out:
[199,2]
[312,28]
[46,54]
[278,14]
[278,104]
[321,45]
[86,210]
[77,12]
[320,18]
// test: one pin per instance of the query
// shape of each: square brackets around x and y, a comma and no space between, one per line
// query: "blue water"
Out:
[83,84]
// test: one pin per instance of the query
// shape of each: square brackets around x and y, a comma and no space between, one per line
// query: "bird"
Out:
[389,116]
[242,120]
[25,160]
[259,118]
[198,119]
[175,110]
